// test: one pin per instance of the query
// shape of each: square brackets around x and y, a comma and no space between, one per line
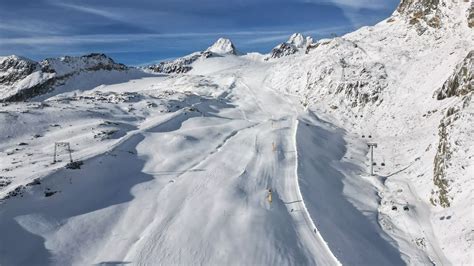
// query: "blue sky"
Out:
[141,31]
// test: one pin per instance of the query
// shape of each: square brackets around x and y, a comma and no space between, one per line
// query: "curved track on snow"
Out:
[188,188]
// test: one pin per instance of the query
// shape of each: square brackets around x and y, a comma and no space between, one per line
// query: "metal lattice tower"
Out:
[62,144]
[372,145]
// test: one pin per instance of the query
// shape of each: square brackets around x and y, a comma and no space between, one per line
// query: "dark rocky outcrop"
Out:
[295,43]
[460,82]
[470,16]
[421,11]
[180,65]
[443,153]
[282,50]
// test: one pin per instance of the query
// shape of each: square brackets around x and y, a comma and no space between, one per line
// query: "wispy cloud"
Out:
[357,4]
[31,27]
[170,28]
[283,36]
[352,8]
[89,10]
[114,38]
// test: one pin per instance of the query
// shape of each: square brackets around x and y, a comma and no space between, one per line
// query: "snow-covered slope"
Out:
[247,161]
[390,82]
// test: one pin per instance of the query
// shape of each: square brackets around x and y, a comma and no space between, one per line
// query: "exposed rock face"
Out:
[282,50]
[221,47]
[461,81]
[454,129]
[470,16]
[14,68]
[180,65]
[443,153]
[69,64]
[295,43]
[419,11]
[459,84]
[21,78]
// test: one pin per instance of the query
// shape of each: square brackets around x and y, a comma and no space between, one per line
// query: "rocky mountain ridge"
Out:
[222,47]
[22,78]
[296,42]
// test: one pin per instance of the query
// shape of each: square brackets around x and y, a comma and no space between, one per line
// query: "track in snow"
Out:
[187,188]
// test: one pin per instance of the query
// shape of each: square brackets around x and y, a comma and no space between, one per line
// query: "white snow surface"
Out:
[299,41]
[222,46]
[177,169]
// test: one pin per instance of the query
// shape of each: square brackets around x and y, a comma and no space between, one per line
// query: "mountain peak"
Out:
[222,46]
[296,39]
[295,43]
[15,58]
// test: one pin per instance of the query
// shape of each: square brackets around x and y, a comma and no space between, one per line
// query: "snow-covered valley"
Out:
[220,158]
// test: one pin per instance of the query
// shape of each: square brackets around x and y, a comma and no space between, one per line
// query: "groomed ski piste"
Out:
[188,186]
[177,169]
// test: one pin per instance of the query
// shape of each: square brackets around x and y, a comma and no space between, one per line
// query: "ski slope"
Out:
[182,175]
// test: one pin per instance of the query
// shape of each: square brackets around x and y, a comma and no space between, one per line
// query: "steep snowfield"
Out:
[381,82]
[180,169]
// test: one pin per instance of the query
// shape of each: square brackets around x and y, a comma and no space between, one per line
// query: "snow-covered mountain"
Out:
[20,74]
[22,78]
[221,47]
[249,159]
[296,42]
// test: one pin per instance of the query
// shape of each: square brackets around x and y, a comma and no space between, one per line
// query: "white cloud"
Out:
[114,38]
[352,8]
[90,10]
[283,36]
[31,27]
[356,4]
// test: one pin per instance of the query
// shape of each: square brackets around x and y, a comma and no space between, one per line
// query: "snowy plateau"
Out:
[225,158]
